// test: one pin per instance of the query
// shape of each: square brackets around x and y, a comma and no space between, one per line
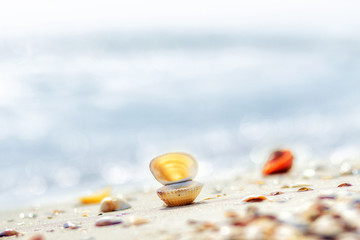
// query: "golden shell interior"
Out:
[173,168]
[179,194]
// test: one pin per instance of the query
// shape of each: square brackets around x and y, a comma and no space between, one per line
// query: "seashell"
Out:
[107,221]
[173,168]
[280,162]
[110,204]
[9,232]
[345,185]
[304,189]
[71,225]
[176,171]
[179,194]
[276,193]
[254,199]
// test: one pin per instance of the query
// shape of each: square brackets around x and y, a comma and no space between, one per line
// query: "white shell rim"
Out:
[179,186]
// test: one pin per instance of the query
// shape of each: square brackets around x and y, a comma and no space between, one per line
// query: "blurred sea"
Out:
[86,107]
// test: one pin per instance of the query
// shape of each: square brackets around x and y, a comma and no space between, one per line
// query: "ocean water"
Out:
[86,107]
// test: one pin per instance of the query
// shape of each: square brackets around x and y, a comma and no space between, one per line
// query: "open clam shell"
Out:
[179,194]
[173,168]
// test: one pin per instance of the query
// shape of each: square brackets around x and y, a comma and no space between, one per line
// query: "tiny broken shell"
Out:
[96,197]
[110,204]
[136,221]
[304,189]
[345,185]
[280,161]
[71,225]
[9,232]
[330,197]
[276,193]
[107,221]
[208,198]
[254,199]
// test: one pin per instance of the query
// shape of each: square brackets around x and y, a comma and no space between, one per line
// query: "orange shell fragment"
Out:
[280,162]
[345,185]
[255,199]
[96,197]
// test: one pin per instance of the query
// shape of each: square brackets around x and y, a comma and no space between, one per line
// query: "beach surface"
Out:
[302,204]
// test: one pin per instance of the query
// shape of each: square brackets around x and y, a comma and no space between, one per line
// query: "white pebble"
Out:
[108,220]
[110,204]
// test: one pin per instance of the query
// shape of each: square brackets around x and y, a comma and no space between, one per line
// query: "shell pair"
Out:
[176,172]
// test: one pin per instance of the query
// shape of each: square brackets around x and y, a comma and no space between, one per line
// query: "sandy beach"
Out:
[302,204]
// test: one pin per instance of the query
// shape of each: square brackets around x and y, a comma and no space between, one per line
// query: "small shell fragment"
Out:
[329,197]
[345,185]
[304,189]
[280,161]
[9,233]
[276,193]
[136,221]
[96,197]
[107,221]
[254,199]
[110,204]
[71,225]
[208,198]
